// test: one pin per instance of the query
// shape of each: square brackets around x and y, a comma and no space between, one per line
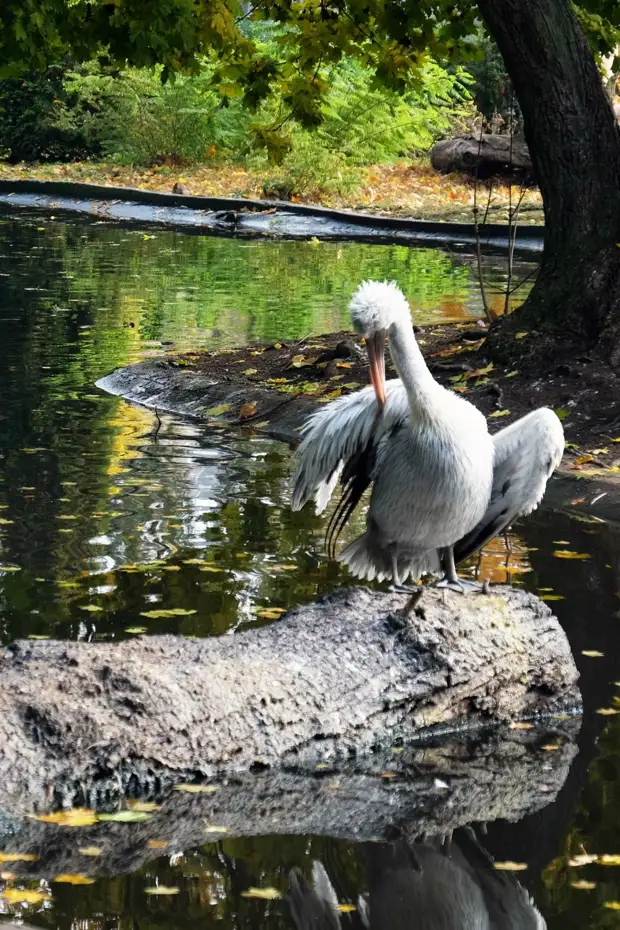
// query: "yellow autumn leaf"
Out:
[78,879]
[521,726]
[250,371]
[18,857]
[145,807]
[612,905]
[218,411]
[90,850]
[346,908]
[24,896]
[74,817]
[211,568]
[607,711]
[569,554]
[583,885]
[608,859]
[509,866]
[267,894]
[521,335]
[592,653]
[300,361]
[157,844]
[162,889]
[216,828]
[499,413]
[270,613]
[582,859]
[197,789]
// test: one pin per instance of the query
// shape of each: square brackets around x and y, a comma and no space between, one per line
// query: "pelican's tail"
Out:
[366,558]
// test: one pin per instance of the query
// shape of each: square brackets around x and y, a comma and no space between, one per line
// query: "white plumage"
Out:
[438,479]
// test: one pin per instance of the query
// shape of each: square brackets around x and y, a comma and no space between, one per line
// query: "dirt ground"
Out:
[584,394]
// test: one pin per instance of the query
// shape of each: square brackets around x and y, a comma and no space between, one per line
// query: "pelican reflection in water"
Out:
[442,487]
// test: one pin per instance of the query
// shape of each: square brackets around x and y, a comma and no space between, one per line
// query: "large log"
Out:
[83,722]
[484,155]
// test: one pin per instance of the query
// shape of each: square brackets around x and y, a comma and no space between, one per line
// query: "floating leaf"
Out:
[271,613]
[499,413]
[582,859]
[551,747]
[124,817]
[509,866]
[250,371]
[78,879]
[346,908]
[592,653]
[521,726]
[91,608]
[553,597]
[300,361]
[23,896]
[74,817]
[90,850]
[211,568]
[215,828]
[197,789]
[218,411]
[583,885]
[146,807]
[351,385]
[569,554]
[267,894]
[10,568]
[170,612]
[247,410]
[157,844]
[521,335]
[162,889]
[18,857]
[612,905]
[561,413]
[607,859]
[344,365]
[607,711]
[137,630]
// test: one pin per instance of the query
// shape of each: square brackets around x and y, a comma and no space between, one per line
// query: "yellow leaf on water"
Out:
[521,726]
[569,554]
[170,612]
[211,568]
[271,613]
[90,850]
[249,371]
[78,879]
[582,859]
[162,889]
[607,711]
[18,857]
[197,789]
[607,859]
[267,894]
[23,896]
[612,905]
[521,335]
[91,608]
[509,866]
[583,885]
[215,828]
[146,807]
[218,411]
[157,844]
[346,908]
[74,817]
[592,653]
[300,361]
[499,413]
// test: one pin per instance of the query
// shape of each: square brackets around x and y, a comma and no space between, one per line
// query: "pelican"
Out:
[441,485]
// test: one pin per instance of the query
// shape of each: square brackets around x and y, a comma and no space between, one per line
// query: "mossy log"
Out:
[333,680]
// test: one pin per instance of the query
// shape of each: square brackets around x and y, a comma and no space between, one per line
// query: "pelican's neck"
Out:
[409,361]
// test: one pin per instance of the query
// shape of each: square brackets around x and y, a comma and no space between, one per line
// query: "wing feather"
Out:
[336,434]
[526,453]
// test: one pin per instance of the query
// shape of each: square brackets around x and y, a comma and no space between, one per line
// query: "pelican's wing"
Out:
[526,453]
[337,433]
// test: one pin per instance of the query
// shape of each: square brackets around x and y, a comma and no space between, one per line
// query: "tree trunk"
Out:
[574,142]
[81,722]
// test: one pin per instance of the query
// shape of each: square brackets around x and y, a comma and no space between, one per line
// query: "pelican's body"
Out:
[438,479]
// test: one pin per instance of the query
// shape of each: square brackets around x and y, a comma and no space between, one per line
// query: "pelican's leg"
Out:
[399,588]
[450,579]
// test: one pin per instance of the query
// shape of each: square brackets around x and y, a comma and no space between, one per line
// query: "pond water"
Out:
[109,521]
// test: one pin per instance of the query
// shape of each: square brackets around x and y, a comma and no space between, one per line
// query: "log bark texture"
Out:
[330,680]
[483,156]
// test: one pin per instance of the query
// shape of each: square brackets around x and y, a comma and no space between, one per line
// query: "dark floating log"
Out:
[81,723]
[484,156]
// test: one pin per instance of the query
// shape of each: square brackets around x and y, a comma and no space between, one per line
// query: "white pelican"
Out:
[440,483]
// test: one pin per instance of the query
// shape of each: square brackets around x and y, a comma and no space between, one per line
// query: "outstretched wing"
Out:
[526,453]
[337,435]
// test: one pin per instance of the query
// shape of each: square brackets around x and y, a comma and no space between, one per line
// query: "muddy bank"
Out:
[81,722]
[274,218]
[272,388]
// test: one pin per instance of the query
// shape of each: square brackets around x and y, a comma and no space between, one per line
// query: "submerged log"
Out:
[329,681]
[484,155]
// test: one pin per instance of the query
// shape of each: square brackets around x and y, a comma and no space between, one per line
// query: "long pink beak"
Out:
[376,359]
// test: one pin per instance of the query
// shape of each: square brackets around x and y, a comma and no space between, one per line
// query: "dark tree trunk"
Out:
[574,142]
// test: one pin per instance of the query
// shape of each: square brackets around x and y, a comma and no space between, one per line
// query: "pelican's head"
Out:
[375,307]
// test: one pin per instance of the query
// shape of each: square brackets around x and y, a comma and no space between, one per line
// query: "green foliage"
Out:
[493,92]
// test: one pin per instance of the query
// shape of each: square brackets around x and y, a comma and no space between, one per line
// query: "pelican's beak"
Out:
[376,359]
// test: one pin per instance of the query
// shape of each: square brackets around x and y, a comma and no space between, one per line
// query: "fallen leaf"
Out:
[23,896]
[78,879]
[267,894]
[521,335]
[582,859]
[214,828]
[592,653]
[569,554]
[612,905]
[346,908]
[170,612]
[90,850]
[157,844]
[578,500]
[91,608]
[211,568]
[521,726]
[509,866]
[218,411]
[553,597]
[607,711]
[124,817]
[344,365]
[247,410]
[583,885]
[146,807]
[582,459]
[18,857]
[561,413]
[137,630]
[250,371]
[300,361]
[74,817]
[351,385]
[162,889]
[197,789]
[607,859]
[499,413]
[551,747]
[271,613]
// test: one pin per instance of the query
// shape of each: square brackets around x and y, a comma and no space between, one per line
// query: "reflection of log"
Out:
[79,720]
[485,156]
[434,789]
